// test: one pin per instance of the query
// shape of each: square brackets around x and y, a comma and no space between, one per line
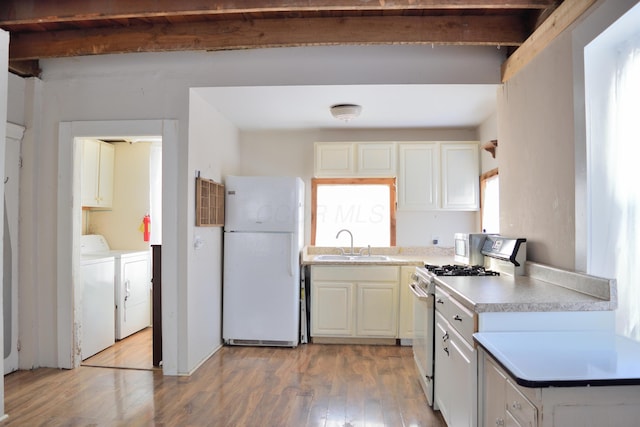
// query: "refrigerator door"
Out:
[262,203]
[261,289]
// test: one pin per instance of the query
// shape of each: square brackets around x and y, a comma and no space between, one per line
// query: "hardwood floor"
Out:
[133,352]
[312,385]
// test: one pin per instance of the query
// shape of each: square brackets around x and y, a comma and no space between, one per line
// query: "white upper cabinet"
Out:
[430,175]
[460,176]
[438,175]
[97,174]
[334,159]
[418,176]
[347,159]
[376,159]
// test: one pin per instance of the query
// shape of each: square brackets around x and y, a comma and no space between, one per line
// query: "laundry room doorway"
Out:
[121,194]
[125,223]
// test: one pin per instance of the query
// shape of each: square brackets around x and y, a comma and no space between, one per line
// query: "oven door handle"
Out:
[418,293]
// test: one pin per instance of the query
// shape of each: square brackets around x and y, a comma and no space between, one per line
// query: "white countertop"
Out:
[564,359]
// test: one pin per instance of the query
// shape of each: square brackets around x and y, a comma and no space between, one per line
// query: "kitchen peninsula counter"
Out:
[564,358]
[558,378]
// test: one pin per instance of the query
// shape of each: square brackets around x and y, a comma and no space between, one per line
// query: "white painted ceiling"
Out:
[383,106]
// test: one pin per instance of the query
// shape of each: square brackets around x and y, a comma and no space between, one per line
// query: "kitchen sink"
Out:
[351,258]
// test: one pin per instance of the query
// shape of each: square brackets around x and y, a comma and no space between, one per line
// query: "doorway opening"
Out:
[121,200]
[70,226]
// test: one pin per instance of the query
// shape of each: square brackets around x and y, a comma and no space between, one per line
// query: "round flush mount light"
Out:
[345,112]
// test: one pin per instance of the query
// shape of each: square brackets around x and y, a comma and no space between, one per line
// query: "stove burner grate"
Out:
[460,270]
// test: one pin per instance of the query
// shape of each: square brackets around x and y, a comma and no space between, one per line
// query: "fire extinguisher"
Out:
[146,227]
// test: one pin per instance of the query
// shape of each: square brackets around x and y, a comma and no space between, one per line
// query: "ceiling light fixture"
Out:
[345,112]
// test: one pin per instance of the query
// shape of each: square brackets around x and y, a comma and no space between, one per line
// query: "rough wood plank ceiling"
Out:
[45,29]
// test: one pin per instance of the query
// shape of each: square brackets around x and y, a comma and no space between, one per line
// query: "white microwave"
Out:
[468,248]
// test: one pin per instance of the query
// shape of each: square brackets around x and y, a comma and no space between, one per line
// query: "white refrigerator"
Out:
[263,237]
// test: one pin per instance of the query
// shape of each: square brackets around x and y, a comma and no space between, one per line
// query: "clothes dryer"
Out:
[132,284]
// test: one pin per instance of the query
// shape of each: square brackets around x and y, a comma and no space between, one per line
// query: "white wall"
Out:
[213,153]
[156,86]
[488,131]
[536,153]
[16,99]
[4,66]
[541,132]
[290,153]
[120,225]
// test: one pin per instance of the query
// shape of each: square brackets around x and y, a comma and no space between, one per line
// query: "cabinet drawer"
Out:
[520,407]
[443,303]
[461,319]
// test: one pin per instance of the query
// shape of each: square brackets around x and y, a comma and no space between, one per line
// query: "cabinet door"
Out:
[90,172]
[376,159]
[494,395]
[463,382]
[460,176]
[332,309]
[405,325]
[105,178]
[97,173]
[334,159]
[442,385]
[418,176]
[377,309]
[510,421]
[455,376]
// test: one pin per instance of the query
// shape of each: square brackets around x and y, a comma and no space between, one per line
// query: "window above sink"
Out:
[365,206]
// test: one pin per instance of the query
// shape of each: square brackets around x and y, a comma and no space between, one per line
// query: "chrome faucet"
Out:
[351,235]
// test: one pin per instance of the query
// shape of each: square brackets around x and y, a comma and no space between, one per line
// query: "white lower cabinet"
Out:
[503,402]
[496,396]
[354,301]
[455,377]
[331,314]
[377,309]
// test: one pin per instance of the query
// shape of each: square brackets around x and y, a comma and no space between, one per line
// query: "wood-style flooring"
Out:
[133,352]
[312,385]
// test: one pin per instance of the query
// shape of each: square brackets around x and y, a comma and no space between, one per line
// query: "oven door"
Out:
[423,324]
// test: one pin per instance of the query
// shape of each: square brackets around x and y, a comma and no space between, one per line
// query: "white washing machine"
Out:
[132,285]
[98,304]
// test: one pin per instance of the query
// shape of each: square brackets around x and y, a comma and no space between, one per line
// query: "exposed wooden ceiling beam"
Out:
[560,19]
[45,11]
[28,68]
[242,34]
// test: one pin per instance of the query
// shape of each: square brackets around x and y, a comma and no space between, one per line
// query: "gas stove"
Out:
[460,270]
